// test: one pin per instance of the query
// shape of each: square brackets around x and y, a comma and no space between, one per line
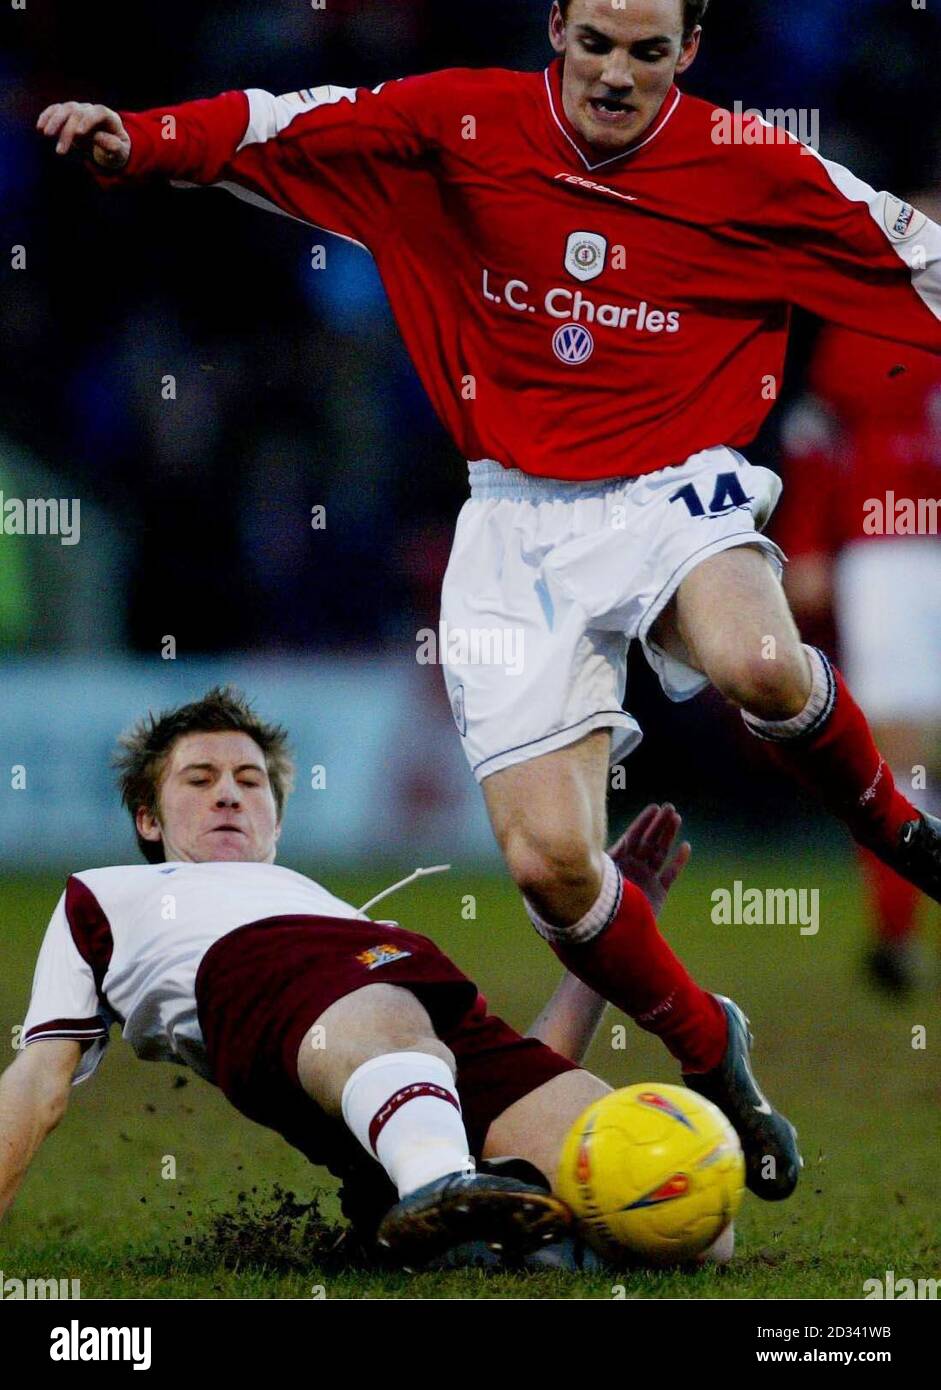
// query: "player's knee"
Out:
[397,1022]
[768,684]
[404,1040]
[552,865]
[434,1047]
[370,1023]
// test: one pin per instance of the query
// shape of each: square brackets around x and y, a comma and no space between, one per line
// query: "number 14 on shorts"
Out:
[728,496]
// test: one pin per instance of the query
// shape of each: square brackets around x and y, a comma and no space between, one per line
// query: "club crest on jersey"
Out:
[572,344]
[381,955]
[586,255]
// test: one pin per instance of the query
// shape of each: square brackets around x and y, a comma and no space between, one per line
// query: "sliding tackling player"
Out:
[358,1041]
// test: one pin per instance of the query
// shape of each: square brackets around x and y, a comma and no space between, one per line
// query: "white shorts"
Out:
[887,598]
[549,581]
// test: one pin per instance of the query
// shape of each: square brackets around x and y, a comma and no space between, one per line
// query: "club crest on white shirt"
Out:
[459,711]
[586,255]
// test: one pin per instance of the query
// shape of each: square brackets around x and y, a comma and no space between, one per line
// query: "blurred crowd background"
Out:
[293,387]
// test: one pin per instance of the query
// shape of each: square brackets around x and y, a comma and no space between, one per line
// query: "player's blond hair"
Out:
[144,749]
[694,12]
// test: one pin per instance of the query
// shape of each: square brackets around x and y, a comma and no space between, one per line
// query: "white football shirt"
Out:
[124,945]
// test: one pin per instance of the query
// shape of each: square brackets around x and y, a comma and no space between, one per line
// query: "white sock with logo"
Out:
[404,1110]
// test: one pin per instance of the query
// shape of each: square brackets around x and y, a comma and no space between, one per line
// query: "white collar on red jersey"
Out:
[553,76]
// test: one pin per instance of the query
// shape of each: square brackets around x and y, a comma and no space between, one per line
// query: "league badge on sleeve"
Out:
[586,255]
[901,219]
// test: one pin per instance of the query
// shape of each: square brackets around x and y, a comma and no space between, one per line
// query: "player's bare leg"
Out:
[370,1023]
[731,615]
[732,618]
[373,1058]
[615,946]
[549,817]
[536,1127]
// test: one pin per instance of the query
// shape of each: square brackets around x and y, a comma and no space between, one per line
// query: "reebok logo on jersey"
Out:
[579,182]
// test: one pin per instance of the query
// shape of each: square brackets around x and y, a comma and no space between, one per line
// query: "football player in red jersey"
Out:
[593,273]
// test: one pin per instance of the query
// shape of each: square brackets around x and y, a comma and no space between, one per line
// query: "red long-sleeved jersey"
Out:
[572,315]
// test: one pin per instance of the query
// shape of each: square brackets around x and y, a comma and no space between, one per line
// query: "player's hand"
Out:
[96,131]
[647,853]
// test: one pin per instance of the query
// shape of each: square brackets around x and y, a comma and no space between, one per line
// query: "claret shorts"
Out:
[260,988]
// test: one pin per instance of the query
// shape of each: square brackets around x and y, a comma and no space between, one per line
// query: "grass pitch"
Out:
[840,1062]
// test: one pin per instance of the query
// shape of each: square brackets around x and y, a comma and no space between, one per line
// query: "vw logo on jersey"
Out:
[573,344]
[585,255]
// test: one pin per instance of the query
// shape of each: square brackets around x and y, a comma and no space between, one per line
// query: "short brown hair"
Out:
[144,749]
[694,12]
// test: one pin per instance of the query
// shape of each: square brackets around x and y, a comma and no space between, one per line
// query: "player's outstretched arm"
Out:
[193,142]
[647,854]
[34,1094]
[329,156]
[853,255]
[97,131]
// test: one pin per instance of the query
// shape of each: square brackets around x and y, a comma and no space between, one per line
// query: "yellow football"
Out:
[653,1172]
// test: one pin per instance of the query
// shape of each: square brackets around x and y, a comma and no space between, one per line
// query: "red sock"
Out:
[837,760]
[630,964]
[894,899]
